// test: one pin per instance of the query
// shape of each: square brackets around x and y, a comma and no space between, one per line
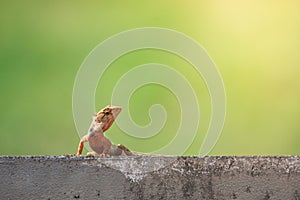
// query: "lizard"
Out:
[100,144]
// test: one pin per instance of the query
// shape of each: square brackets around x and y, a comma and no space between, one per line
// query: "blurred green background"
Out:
[255,44]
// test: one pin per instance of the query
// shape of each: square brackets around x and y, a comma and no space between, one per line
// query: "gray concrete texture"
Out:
[149,177]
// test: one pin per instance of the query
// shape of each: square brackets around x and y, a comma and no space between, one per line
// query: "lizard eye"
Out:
[106,113]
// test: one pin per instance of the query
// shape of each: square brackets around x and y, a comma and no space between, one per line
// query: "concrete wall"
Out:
[149,177]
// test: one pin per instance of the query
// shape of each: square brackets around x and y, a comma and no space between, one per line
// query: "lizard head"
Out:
[107,116]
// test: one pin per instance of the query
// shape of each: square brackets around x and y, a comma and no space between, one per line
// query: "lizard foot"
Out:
[104,155]
[90,154]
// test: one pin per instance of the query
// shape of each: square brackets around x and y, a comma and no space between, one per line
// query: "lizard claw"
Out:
[104,155]
[93,154]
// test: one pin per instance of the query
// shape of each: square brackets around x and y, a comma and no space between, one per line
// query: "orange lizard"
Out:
[100,144]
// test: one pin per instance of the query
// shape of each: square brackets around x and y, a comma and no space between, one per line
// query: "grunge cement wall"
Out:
[149,177]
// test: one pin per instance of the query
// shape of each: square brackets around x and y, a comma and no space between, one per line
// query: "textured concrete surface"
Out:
[149,177]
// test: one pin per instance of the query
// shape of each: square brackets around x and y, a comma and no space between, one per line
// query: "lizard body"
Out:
[100,144]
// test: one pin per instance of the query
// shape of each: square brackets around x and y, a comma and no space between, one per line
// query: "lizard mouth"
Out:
[116,111]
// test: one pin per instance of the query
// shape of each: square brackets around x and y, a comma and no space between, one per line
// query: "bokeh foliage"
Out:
[255,44]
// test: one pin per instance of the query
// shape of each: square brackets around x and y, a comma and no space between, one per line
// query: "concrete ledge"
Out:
[149,177]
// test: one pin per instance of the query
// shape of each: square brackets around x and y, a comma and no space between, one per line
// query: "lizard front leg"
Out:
[107,145]
[81,144]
